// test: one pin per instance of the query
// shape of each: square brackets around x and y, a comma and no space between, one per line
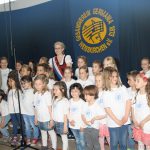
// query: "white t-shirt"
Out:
[77,72]
[12,98]
[75,112]
[68,60]
[132,94]
[141,111]
[41,103]
[146,73]
[4,108]
[68,84]
[27,106]
[4,73]
[85,83]
[91,111]
[50,84]
[116,100]
[60,108]
[100,102]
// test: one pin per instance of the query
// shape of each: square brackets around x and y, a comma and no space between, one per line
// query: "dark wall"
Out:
[134,19]
[35,29]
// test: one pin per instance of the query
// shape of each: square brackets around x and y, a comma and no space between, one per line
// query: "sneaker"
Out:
[28,142]
[34,142]
[14,141]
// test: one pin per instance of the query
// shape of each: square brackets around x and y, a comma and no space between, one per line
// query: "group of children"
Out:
[95,106]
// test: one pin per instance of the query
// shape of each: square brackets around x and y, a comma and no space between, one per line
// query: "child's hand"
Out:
[88,123]
[92,121]
[36,122]
[136,124]
[119,122]
[124,120]
[72,122]
[51,123]
[81,129]
[141,124]
[65,130]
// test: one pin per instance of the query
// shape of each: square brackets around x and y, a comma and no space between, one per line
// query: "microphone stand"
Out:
[22,145]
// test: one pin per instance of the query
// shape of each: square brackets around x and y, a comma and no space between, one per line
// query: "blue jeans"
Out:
[15,118]
[119,136]
[29,125]
[79,136]
[45,126]
[4,130]
[131,142]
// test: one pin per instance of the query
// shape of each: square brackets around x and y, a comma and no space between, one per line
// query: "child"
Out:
[45,69]
[103,130]
[109,61]
[145,65]
[60,111]
[91,116]
[43,60]
[141,112]
[4,115]
[131,76]
[27,110]
[4,72]
[84,77]
[75,109]
[96,69]
[25,70]
[117,106]
[68,79]
[14,96]
[82,61]
[33,67]
[18,67]
[43,110]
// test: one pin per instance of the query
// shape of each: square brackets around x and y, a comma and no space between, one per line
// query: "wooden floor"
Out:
[6,146]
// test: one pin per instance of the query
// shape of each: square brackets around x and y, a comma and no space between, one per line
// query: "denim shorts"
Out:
[59,127]
[44,126]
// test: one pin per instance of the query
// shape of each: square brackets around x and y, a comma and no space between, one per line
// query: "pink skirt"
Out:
[103,130]
[139,135]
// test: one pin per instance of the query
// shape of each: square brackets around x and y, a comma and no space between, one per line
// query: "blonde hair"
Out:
[84,68]
[59,43]
[111,60]
[101,74]
[107,72]
[44,79]
[83,58]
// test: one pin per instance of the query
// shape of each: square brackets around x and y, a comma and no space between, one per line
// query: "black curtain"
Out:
[134,38]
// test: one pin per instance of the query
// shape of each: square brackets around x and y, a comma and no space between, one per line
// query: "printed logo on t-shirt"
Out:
[118,97]
[74,109]
[88,113]
[138,105]
[37,102]
[100,101]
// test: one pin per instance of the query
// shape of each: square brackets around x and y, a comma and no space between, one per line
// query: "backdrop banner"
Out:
[95,28]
